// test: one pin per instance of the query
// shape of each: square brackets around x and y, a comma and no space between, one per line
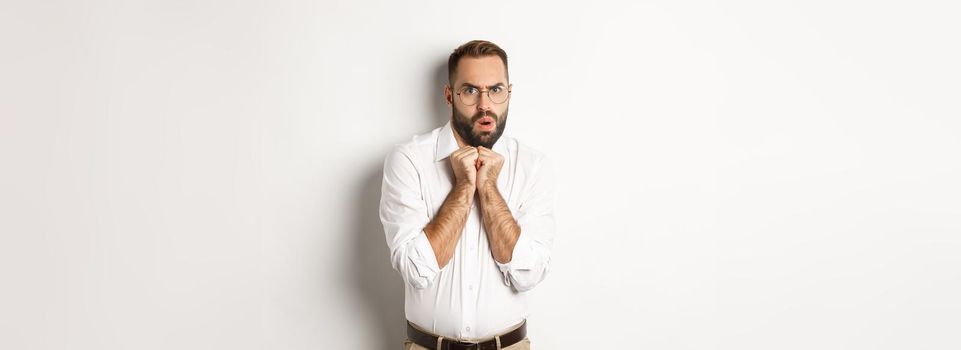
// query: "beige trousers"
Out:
[524,344]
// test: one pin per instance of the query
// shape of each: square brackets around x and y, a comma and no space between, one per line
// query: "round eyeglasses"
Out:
[470,95]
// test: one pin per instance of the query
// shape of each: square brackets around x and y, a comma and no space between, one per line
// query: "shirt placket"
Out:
[469,276]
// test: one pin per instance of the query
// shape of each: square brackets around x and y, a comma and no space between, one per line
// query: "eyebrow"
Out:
[475,86]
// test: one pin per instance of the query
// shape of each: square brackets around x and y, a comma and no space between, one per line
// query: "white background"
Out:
[731,175]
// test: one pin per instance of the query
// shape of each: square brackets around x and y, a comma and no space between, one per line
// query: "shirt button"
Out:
[468,328]
[470,287]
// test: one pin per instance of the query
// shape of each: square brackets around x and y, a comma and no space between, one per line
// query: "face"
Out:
[482,123]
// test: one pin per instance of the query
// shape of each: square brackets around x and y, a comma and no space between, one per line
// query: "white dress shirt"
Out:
[473,296]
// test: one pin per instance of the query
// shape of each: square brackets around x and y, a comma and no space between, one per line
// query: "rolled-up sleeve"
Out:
[531,258]
[404,214]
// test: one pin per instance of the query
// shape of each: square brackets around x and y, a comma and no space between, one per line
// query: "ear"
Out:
[448,94]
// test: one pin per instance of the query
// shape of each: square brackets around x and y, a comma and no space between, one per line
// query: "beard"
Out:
[464,127]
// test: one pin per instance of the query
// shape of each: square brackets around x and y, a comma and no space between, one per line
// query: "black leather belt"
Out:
[430,341]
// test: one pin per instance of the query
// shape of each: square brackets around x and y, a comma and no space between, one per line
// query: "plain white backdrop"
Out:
[731,174]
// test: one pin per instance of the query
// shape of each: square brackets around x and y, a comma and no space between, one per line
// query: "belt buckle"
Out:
[466,345]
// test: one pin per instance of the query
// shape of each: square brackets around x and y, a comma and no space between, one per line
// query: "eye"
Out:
[470,90]
[497,89]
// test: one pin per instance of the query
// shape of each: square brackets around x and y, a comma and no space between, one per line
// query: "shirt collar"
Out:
[447,144]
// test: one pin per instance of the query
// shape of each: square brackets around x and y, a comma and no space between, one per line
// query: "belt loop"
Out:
[440,339]
[497,338]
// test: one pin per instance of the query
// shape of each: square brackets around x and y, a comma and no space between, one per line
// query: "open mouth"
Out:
[486,123]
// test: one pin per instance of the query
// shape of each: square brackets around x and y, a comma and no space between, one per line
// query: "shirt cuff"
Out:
[521,258]
[423,257]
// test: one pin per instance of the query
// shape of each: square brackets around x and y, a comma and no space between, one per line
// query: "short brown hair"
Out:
[475,49]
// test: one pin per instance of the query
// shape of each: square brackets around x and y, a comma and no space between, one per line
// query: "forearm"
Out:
[502,229]
[444,231]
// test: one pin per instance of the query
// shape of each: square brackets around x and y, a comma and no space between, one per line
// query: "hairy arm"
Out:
[502,229]
[445,229]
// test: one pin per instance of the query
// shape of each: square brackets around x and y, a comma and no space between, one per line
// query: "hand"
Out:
[464,162]
[490,164]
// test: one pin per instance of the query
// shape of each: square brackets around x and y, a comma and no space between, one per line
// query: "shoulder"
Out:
[413,151]
[529,155]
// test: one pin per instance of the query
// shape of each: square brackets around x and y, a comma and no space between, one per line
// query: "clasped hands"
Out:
[477,166]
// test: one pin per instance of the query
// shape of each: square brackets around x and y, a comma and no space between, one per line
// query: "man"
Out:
[468,215]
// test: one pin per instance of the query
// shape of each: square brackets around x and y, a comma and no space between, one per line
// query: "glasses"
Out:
[470,95]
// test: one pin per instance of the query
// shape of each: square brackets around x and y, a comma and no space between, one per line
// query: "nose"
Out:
[484,103]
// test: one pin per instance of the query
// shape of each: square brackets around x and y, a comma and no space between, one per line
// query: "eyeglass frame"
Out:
[488,91]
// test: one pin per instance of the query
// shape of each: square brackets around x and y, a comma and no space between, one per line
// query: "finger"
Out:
[463,151]
[487,152]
